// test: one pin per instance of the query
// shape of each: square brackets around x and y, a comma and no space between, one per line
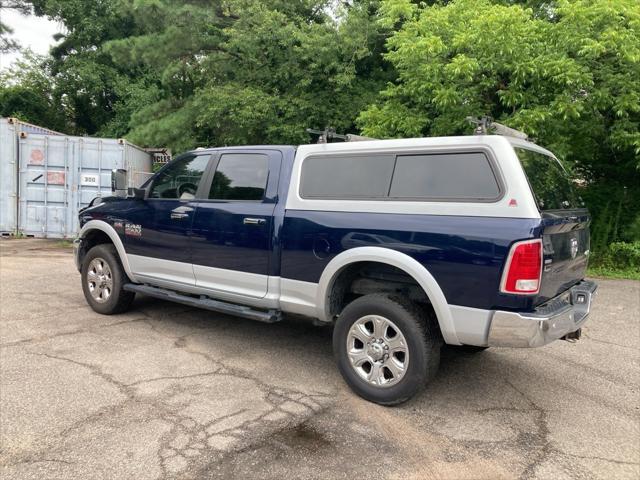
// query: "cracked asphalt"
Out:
[167,391]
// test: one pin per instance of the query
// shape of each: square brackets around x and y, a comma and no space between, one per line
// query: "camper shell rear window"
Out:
[550,183]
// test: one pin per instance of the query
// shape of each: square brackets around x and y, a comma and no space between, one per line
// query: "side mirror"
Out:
[119,182]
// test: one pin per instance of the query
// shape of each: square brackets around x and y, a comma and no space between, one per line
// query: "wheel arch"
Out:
[400,260]
[93,226]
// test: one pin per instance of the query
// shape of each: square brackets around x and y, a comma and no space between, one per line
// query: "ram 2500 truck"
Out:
[404,245]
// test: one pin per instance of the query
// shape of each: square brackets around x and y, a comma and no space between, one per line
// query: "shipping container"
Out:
[56,175]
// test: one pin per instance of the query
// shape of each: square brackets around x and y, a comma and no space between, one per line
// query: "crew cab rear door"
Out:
[233,225]
[565,223]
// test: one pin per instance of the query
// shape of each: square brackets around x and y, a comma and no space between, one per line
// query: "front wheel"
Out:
[102,280]
[386,348]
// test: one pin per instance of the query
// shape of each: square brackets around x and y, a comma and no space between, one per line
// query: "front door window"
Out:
[180,180]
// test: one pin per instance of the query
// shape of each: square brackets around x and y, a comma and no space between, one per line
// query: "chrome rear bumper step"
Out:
[270,316]
[562,317]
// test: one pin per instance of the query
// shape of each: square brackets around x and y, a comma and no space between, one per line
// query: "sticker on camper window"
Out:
[55,178]
[89,180]
[37,157]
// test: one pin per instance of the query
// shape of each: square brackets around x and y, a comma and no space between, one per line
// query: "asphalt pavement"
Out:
[167,391]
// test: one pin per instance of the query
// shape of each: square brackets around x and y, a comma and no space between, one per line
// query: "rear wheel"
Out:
[386,348]
[102,280]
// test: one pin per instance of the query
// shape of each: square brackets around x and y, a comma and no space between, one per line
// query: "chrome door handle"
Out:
[254,221]
[181,212]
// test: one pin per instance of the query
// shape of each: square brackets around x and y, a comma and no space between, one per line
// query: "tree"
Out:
[25,93]
[566,72]
[85,77]
[251,72]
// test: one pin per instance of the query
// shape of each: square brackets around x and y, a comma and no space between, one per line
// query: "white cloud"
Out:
[29,31]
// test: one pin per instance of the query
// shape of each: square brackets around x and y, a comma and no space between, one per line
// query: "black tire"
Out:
[119,300]
[423,341]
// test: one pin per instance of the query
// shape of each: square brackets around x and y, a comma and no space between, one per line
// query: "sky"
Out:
[29,31]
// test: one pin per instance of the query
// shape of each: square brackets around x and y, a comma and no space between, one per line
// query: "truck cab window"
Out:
[180,179]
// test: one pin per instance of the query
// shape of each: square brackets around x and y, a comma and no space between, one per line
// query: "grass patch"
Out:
[618,260]
[609,272]
[64,244]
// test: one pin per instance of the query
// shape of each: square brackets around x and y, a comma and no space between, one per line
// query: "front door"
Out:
[158,240]
[232,229]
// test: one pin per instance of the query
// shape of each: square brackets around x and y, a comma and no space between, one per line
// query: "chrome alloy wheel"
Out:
[377,350]
[99,280]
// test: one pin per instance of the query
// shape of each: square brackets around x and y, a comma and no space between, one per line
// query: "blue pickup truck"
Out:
[403,245]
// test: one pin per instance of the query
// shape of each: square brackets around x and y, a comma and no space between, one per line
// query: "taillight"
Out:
[523,268]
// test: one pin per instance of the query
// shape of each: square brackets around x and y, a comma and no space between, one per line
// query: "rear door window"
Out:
[551,185]
[240,176]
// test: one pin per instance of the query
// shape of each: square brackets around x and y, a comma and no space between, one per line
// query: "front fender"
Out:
[115,239]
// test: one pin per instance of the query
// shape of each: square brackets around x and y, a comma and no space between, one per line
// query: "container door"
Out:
[8,177]
[93,161]
[45,180]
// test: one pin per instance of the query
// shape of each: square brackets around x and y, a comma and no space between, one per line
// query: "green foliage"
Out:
[620,259]
[553,79]
[25,93]
[88,87]
[616,214]
[626,254]
[7,44]
[253,72]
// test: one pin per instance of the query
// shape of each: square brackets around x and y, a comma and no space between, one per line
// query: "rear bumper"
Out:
[562,315]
